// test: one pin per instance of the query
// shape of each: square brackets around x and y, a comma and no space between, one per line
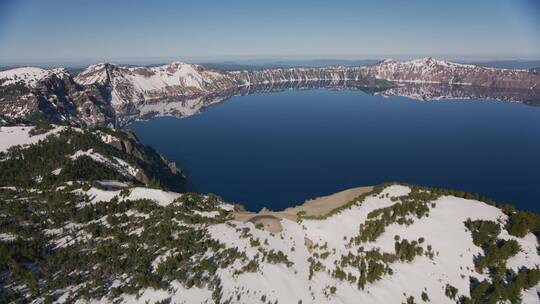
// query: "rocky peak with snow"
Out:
[133,84]
[96,74]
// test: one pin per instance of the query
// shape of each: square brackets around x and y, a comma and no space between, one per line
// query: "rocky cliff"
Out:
[52,94]
[429,70]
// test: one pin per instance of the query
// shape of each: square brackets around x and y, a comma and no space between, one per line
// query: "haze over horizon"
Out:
[83,32]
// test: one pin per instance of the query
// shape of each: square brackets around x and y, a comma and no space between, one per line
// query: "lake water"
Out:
[278,149]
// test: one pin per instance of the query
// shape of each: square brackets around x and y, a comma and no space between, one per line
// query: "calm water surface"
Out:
[278,149]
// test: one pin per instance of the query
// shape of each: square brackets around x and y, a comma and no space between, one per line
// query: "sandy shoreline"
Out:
[312,208]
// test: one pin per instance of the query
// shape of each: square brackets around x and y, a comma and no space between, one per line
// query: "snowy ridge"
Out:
[429,70]
[30,76]
[141,83]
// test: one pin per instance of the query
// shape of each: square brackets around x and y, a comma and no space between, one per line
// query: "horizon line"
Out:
[250,60]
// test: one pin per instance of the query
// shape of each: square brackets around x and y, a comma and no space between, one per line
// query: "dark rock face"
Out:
[110,94]
[61,98]
[58,98]
[155,166]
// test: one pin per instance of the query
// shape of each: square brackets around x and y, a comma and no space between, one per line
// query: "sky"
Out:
[63,31]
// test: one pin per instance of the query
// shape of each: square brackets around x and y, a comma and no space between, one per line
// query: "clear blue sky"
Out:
[120,30]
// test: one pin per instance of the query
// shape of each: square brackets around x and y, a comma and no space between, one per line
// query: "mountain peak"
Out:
[426,60]
[96,73]
[387,61]
[177,62]
[101,65]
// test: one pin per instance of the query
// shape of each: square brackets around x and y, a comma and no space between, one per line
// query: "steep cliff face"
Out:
[332,74]
[53,94]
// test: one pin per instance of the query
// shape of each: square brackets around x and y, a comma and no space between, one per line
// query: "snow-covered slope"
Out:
[134,244]
[21,135]
[132,84]
[443,230]
[145,78]
[27,75]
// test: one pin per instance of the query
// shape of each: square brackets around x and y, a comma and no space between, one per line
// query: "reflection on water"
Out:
[184,106]
[428,92]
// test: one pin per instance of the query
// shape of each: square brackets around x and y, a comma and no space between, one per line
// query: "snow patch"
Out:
[19,136]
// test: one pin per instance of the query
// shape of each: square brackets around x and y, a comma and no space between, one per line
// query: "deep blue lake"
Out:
[275,150]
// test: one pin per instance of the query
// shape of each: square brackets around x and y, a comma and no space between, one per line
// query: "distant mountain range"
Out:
[510,64]
[103,92]
[265,64]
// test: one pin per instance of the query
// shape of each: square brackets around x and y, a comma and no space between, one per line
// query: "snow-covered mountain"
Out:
[104,92]
[135,84]
[430,70]
[79,225]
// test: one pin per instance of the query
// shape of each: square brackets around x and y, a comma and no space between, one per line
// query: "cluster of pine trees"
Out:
[416,204]
[33,166]
[504,285]
[106,241]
